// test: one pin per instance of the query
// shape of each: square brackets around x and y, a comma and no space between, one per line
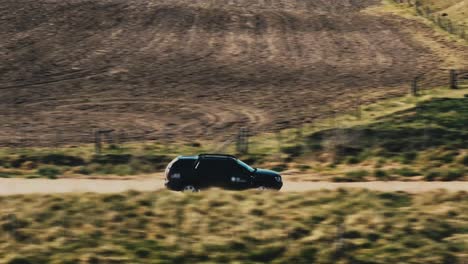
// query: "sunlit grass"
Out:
[345,226]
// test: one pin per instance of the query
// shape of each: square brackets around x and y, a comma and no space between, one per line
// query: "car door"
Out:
[211,172]
[238,177]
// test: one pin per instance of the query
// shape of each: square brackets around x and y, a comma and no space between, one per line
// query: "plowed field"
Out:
[178,70]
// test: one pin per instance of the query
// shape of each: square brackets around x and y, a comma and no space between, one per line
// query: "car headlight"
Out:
[278,178]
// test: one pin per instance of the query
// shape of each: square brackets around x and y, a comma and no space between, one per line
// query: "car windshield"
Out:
[247,167]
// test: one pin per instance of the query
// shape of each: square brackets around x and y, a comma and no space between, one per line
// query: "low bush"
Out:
[409,157]
[446,157]
[19,260]
[114,159]
[280,167]
[293,151]
[304,167]
[49,172]
[49,159]
[453,175]
[357,175]
[464,160]
[83,170]
[352,160]
[380,174]
[432,175]
[406,172]
[123,170]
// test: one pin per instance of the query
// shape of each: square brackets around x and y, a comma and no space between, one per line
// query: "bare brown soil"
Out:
[170,69]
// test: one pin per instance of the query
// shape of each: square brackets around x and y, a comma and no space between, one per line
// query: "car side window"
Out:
[213,167]
[205,167]
[237,170]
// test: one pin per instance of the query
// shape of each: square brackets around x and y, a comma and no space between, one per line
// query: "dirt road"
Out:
[45,186]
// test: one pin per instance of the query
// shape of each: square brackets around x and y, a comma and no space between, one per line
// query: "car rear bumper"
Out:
[173,185]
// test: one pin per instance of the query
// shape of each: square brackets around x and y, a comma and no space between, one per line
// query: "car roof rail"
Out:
[216,155]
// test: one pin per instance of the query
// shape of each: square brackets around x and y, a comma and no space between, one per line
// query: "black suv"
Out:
[192,173]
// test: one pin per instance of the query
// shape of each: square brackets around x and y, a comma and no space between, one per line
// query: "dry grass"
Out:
[229,227]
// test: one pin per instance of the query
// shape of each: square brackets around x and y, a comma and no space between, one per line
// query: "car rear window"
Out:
[182,164]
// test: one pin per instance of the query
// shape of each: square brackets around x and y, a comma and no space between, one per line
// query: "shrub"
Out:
[406,172]
[49,172]
[304,167]
[83,170]
[409,157]
[123,170]
[395,199]
[380,174]
[453,175]
[380,163]
[267,253]
[446,157]
[352,160]
[12,223]
[293,151]
[352,234]
[341,179]
[464,160]
[62,160]
[357,175]
[432,175]
[114,159]
[280,167]
[8,174]
[195,144]
[143,252]
[28,165]
[19,260]
[114,147]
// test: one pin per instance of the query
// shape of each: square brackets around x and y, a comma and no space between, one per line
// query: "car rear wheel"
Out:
[190,188]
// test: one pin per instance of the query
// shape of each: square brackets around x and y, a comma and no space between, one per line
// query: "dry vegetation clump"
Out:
[344,226]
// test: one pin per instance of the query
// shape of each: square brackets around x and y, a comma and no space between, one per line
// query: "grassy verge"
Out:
[429,140]
[405,138]
[345,226]
[447,18]
[77,161]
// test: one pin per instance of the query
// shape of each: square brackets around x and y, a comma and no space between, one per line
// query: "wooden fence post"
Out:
[97,142]
[279,138]
[358,107]
[414,87]
[462,33]
[243,141]
[453,79]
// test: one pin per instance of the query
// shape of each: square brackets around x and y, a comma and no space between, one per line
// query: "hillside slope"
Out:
[456,10]
[172,70]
